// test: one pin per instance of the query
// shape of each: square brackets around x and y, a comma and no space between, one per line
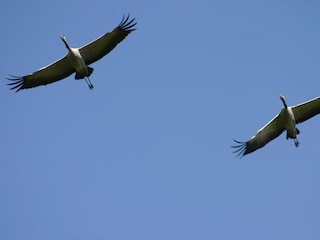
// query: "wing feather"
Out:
[98,48]
[49,74]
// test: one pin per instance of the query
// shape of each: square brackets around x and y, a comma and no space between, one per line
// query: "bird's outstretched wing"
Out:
[49,74]
[98,48]
[306,110]
[266,134]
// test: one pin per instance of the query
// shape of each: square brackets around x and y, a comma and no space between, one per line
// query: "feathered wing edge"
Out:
[17,83]
[240,149]
[127,26]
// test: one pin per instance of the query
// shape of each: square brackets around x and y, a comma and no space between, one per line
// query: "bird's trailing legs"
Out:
[296,142]
[89,82]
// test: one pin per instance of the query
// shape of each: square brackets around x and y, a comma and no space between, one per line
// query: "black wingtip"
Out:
[240,148]
[17,83]
[127,25]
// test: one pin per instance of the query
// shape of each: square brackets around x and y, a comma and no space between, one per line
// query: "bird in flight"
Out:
[286,120]
[76,60]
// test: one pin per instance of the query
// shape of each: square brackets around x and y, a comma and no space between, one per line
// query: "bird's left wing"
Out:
[266,134]
[49,74]
[103,45]
[306,110]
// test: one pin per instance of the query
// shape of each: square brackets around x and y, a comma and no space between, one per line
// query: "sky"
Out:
[146,154]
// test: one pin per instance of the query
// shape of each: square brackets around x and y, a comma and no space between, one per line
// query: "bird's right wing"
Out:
[266,134]
[49,74]
[306,110]
[103,45]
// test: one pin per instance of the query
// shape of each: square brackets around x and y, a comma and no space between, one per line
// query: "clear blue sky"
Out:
[146,154]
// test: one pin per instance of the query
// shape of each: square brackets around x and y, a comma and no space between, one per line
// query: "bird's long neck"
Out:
[65,43]
[284,103]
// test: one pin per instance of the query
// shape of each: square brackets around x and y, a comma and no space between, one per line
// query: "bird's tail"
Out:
[90,70]
[80,76]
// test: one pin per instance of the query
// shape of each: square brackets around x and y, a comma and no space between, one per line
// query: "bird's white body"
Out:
[76,60]
[289,122]
[78,63]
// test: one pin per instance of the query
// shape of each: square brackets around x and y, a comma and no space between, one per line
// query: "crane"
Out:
[76,60]
[286,120]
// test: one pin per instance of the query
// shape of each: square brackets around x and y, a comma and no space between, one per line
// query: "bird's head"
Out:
[281,97]
[63,38]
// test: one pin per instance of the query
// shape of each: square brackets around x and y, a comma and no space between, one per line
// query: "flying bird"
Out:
[286,120]
[76,60]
